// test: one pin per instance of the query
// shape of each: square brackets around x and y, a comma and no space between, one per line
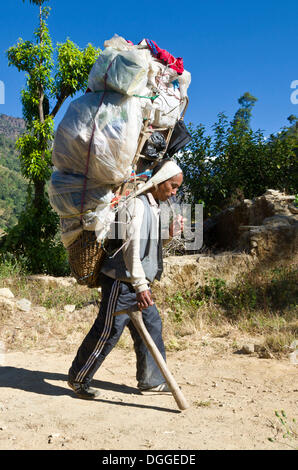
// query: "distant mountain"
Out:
[11,127]
[12,184]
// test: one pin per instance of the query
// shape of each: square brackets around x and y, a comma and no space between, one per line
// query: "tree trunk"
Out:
[39,188]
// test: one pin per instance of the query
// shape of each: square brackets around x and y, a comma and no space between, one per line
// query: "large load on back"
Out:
[121,127]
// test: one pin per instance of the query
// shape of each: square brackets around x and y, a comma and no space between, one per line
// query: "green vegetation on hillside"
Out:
[12,197]
[8,154]
[13,186]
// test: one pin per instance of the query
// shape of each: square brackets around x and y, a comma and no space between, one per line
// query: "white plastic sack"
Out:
[166,109]
[118,124]
[160,75]
[171,88]
[72,227]
[122,71]
[66,194]
[104,219]
[184,82]
[119,43]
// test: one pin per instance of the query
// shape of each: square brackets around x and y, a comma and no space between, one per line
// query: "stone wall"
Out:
[189,271]
[266,226]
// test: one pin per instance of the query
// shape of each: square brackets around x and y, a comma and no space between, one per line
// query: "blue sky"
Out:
[229,47]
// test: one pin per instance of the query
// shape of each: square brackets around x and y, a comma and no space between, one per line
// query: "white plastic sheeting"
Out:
[171,89]
[67,192]
[117,124]
[125,71]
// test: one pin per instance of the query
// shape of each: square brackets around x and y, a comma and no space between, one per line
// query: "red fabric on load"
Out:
[165,56]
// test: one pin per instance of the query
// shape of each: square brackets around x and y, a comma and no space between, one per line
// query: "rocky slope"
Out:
[11,127]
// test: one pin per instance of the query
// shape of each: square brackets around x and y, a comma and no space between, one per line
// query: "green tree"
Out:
[195,162]
[243,114]
[52,75]
[236,162]
[292,118]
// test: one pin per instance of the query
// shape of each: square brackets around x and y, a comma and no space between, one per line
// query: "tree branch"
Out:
[64,94]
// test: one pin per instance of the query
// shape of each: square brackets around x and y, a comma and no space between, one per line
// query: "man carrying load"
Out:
[125,281]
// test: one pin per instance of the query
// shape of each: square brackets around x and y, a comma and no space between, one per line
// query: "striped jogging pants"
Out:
[107,329]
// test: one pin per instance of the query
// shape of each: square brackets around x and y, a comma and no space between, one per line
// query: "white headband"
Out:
[168,170]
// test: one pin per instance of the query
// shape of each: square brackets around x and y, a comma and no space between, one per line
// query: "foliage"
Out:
[12,197]
[47,79]
[13,185]
[236,162]
[10,128]
[8,154]
[243,115]
[262,302]
[10,267]
[284,428]
[48,255]
[35,154]
[274,291]
[73,67]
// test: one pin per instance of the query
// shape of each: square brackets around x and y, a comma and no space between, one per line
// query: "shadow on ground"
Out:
[37,382]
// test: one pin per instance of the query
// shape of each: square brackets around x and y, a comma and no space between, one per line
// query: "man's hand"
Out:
[144,299]
[176,226]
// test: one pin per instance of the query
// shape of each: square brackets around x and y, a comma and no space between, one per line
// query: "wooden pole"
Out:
[137,319]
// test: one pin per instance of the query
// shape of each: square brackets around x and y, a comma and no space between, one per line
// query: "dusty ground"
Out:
[232,397]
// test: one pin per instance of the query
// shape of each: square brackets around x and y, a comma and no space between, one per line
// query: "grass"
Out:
[47,324]
[285,428]
[12,276]
[202,404]
[262,303]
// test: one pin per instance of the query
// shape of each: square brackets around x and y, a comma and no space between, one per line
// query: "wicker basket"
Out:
[85,258]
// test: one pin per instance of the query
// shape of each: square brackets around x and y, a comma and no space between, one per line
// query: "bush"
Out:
[35,242]
[236,163]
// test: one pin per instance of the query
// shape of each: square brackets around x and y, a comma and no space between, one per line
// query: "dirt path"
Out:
[233,400]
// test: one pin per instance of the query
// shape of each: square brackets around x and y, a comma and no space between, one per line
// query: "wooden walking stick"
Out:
[137,319]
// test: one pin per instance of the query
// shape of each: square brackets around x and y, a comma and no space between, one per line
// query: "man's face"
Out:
[168,188]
